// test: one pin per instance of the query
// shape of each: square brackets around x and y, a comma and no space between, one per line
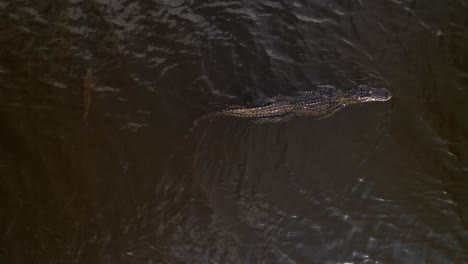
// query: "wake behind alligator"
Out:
[320,104]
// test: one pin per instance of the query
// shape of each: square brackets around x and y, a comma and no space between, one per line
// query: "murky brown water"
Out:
[97,164]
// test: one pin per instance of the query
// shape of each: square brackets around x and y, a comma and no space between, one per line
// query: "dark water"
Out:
[97,164]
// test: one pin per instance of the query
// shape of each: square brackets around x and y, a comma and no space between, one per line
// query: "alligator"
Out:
[320,103]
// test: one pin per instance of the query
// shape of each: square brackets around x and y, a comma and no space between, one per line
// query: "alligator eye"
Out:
[362,93]
[365,93]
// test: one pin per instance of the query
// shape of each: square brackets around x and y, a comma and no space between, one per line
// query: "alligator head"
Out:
[364,93]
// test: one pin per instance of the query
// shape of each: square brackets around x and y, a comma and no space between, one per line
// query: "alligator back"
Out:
[319,103]
[304,105]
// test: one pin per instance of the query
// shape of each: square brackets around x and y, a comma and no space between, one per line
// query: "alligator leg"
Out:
[338,108]
[273,119]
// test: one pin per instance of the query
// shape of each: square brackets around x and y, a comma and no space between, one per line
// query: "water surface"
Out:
[100,161]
